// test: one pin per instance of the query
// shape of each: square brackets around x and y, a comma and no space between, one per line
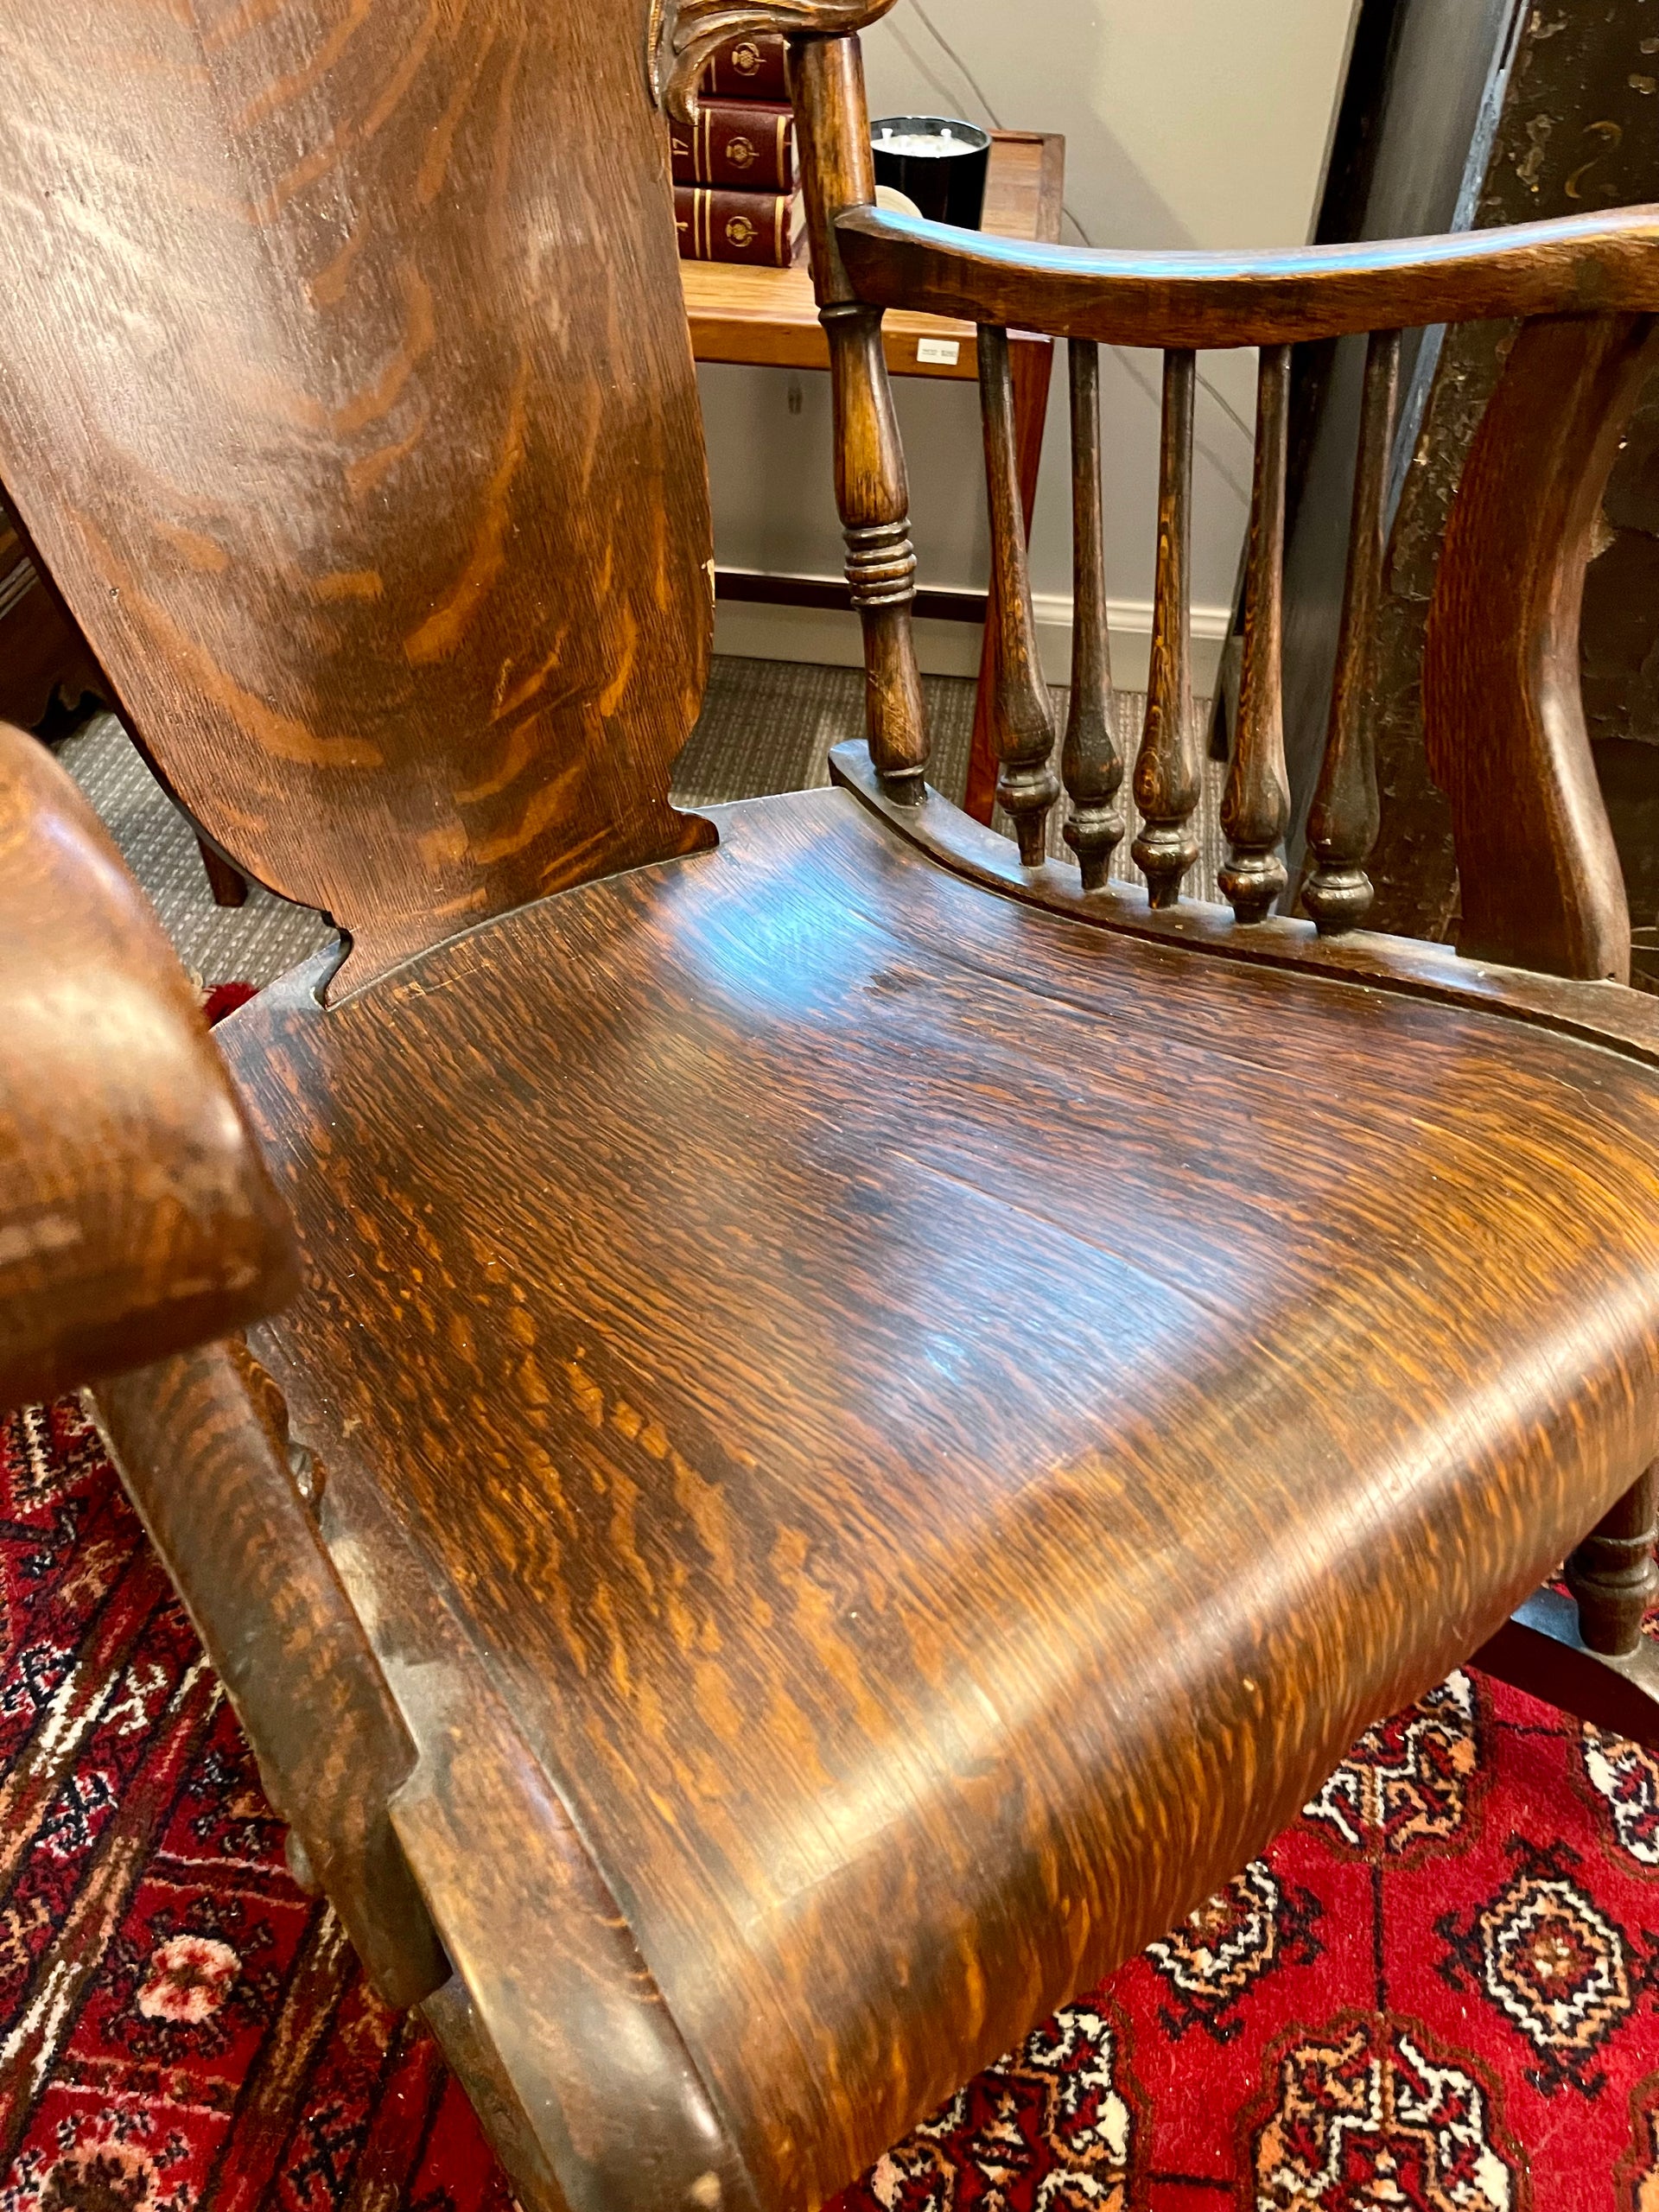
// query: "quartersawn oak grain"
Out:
[291,403]
[814,1412]
[136,1217]
[862,1422]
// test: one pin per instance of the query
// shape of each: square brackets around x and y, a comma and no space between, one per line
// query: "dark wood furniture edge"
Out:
[764,587]
[682,35]
[1608,1014]
[1050,193]
[1541,1648]
[284,1638]
[1538,1650]
[388,1781]
[428,1772]
[48,660]
[139,1215]
[1542,886]
[1582,264]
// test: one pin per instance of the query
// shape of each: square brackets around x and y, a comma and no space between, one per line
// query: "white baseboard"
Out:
[831,639]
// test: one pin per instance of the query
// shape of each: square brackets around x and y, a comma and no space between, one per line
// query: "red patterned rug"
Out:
[1437,1992]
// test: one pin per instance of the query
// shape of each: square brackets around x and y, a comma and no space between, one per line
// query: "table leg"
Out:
[1032,359]
[228,885]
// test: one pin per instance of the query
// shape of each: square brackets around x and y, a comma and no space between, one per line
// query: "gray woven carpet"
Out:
[252,944]
[766,726]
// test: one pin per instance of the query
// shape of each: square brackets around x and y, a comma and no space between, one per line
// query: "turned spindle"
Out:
[1168,769]
[872,488]
[1345,817]
[1092,767]
[1256,804]
[1023,716]
[1613,1574]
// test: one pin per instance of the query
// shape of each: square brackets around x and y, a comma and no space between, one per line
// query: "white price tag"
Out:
[938,352]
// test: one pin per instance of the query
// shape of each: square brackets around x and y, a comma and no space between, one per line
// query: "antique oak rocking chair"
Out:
[868,1414]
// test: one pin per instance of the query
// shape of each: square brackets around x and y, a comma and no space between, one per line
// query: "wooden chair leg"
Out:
[228,884]
[1612,1573]
[474,2058]
[1590,1656]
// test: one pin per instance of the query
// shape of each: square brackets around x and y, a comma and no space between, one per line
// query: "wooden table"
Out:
[768,318]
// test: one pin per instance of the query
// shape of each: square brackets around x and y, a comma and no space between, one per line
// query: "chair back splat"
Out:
[370,461]
[1507,742]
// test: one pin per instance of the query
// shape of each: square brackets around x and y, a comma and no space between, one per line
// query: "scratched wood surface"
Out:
[293,403]
[881,1310]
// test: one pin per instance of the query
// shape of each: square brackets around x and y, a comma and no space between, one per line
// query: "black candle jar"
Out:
[936,161]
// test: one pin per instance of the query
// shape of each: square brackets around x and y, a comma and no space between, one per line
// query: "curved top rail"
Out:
[1583,264]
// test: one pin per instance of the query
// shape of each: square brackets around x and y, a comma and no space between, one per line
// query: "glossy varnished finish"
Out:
[1345,816]
[1091,765]
[872,485]
[1256,804]
[1606,1015]
[1540,881]
[1168,767]
[864,1421]
[855,1672]
[1585,264]
[300,360]
[1022,723]
[136,1217]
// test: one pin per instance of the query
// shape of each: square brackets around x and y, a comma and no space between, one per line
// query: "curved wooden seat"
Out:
[791,1335]
[866,1419]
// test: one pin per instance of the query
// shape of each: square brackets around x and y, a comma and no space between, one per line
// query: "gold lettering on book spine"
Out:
[682,35]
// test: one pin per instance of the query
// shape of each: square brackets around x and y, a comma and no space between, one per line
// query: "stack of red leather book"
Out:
[736,195]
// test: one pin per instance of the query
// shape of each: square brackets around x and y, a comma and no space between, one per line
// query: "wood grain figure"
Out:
[1023,729]
[867,1413]
[872,488]
[136,1217]
[1343,823]
[349,542]
[1090,765]
[1168,767]
[1542,886]
[1583,264]
[1256,804]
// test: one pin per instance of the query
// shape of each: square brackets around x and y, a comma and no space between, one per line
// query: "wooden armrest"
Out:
[135,1215]
[1592,264]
